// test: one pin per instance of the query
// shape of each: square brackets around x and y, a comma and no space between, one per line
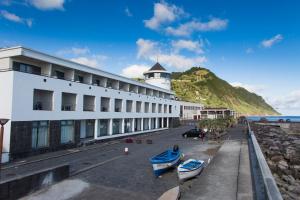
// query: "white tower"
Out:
[158,76]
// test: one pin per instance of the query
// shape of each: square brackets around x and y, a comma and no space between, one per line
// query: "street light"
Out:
[2,123]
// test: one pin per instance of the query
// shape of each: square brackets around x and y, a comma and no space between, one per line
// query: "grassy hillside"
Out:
[203,86]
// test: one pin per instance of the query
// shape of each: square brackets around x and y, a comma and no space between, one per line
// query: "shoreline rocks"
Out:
[282,152]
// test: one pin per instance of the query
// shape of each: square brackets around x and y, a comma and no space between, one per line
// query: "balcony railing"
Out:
[73,80]
[104,109]
[89,108]
[68,107]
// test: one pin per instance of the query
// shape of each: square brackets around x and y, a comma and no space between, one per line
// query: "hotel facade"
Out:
[53,103]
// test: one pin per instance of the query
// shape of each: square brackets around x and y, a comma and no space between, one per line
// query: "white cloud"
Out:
[188,28]
[163,13]
[146,48]
[258,89]
[180,62]
[152,51]
[270,42]
[127,12]
[134,71]
[90,60]
[15,18]
[193,46]
[288,104]
[48,4]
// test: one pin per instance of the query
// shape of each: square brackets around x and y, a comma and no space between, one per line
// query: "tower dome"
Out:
[158,76]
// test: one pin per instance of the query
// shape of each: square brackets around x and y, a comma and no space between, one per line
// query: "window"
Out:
[40,134]
[129,105]
[118,105]
[88,103]
[79,78]
[67,132]
[151,75]
[153,107]
[170,109]
[68,102]
[103,127]
[59,74]
[138,107]
[105,101]
[117,126]
[42,99]
[22,67]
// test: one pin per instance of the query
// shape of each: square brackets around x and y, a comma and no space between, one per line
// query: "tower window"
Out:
[151,75]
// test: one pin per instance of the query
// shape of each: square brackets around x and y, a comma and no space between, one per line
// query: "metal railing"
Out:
[76,81]
[270,186]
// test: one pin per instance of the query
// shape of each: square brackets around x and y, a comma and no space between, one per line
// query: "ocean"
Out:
[275,118]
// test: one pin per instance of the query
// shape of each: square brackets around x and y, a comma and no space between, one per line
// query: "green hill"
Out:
[202,86]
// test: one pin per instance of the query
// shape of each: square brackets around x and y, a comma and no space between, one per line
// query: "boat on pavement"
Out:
[166,160]
[190,169]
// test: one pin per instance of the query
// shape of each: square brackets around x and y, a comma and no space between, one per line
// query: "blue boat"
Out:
[166,160]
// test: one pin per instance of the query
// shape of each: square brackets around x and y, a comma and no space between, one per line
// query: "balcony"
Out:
[129,105]
[118,105]
[68,102]
[112,84]
[88,103]
[153,107]
[124,86]
[138,108]
[141,90]
[147,107]
[133,88]
[159,108]
[165,108]
[63,73]
[42,100]
[26,68]
[105,102]
[99,81]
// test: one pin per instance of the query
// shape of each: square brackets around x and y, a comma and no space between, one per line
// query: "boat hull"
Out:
[185,173]
[189,174]
[160,168]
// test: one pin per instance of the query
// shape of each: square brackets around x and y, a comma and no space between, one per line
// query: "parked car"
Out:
[193,133]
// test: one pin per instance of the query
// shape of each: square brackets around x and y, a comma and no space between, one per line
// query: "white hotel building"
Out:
[53,103]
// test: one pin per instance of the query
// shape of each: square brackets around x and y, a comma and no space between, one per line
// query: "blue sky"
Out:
[254,44]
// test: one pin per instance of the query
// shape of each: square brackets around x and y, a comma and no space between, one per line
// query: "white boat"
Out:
[190,169]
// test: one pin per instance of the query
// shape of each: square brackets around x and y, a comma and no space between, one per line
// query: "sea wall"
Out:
[282,152]
[21,185]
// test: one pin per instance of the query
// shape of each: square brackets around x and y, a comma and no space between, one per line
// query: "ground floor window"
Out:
[117,126]
[67,132]
[103,127]
[90,127]
[128,125]
[40,134]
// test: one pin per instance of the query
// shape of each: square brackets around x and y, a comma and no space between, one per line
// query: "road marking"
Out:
[94,166]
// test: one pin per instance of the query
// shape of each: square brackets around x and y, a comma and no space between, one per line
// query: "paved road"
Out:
[120,176]
[228,176]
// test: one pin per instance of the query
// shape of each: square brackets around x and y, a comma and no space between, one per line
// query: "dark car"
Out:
[193,133]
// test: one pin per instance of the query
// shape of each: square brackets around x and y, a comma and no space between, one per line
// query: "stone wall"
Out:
[282,152]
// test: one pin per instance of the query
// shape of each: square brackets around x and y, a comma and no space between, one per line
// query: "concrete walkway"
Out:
[228,176]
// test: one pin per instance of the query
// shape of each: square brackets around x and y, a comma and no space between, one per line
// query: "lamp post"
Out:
[2,123]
